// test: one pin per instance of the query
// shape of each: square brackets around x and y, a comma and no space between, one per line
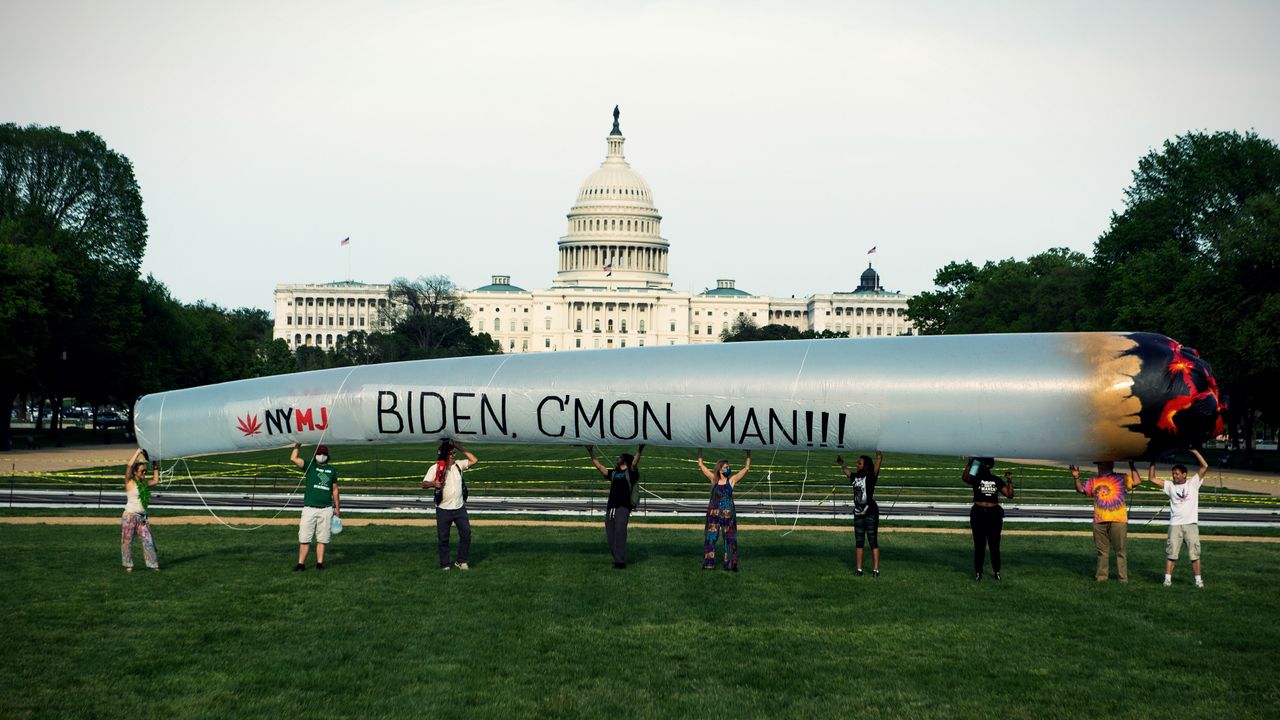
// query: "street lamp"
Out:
[57,394]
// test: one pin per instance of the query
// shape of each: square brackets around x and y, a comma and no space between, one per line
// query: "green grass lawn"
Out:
[550,470]
[543,626]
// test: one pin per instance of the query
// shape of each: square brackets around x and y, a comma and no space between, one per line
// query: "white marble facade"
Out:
[611,290]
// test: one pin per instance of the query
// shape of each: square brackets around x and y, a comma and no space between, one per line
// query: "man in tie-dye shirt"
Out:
[1110,493]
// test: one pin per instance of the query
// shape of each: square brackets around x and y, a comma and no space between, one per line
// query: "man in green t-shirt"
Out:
[319,504]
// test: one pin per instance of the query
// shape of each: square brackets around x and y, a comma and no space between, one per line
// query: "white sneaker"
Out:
[1199,583]
[1167,582]
[462,566]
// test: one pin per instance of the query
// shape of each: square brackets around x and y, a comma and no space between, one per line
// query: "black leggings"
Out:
[986,523]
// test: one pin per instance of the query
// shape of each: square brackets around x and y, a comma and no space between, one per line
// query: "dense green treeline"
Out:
[79,321]
[1195,254]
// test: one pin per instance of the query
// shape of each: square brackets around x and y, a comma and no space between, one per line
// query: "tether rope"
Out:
[287,500]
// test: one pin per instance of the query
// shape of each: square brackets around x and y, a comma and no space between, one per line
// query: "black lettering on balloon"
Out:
[775,423]
[422,413]
[595,418]
[458,417]
[543,428]
[649,414]
[499,418]
[383,411]
[712,421]
[751,427]
[613,420]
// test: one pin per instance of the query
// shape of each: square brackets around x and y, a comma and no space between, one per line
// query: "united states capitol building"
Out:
[611,290]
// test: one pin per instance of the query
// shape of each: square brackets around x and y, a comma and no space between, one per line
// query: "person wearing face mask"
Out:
[722,518]
[624,495]
[319,504]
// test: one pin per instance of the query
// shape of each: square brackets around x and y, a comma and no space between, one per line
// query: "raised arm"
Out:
[128,468]
[1134,478]
[471,459]
[1007,490]
[746,465]
[1075,474]
[591,452]
[1151,475]
[1204,466]
[703,467]
[155,474]
[635,461]
[879,460]
[293,456]
[964,472]
[844,467]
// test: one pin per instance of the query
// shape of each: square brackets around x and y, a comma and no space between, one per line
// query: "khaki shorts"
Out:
[315,524]
[1178,534]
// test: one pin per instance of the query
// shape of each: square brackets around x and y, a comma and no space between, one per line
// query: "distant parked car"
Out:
[109,419]
[73,412]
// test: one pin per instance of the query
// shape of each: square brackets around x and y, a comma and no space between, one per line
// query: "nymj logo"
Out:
[284,420]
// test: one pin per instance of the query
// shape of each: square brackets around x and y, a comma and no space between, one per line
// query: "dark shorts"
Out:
[865,529]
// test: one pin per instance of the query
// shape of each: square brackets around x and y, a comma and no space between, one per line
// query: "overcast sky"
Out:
[782,140]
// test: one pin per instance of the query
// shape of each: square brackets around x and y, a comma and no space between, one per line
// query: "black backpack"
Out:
[635,488]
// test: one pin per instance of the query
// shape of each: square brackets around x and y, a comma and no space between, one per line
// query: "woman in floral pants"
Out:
[137,491]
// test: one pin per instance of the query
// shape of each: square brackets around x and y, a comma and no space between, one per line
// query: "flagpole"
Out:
[348,262]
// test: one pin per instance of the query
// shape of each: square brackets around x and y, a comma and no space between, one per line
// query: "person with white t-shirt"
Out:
[445,476]
[1184,510]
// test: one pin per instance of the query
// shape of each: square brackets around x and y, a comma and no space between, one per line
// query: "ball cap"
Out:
[322,450]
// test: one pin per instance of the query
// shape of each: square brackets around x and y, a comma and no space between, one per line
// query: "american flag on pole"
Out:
[872,250]
[608,268]
[345,241]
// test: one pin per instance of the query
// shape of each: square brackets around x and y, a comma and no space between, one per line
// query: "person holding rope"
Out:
[320,503]
[722,517]
[624,496]
[1184,515]
[986,517]
[137,493]
[866,513]
[445,477]
[1110,492]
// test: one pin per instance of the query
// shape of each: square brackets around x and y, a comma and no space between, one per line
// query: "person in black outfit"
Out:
[986,518]
[624,495]
[866,513]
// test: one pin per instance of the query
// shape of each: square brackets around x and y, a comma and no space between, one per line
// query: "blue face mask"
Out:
[726,471]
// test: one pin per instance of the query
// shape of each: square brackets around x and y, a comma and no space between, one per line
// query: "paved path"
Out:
[68,458]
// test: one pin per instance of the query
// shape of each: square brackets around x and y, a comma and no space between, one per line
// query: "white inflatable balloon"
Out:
[1075,396]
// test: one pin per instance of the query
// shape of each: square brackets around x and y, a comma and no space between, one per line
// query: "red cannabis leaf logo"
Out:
[249,425]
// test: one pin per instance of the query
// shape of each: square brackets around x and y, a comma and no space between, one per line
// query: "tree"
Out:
[72,234]
[276,359]
[744,329]
[1195,255]
[428,316]
[1055,291]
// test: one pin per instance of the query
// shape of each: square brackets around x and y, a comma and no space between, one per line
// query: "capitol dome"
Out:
[616,182]
[614,237]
